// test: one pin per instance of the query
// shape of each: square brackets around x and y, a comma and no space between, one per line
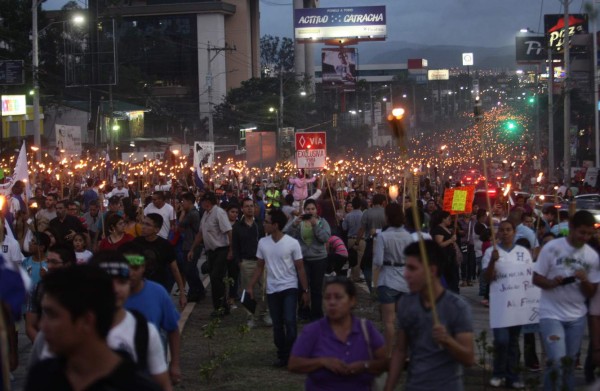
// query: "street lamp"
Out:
[77,19]
[274,110]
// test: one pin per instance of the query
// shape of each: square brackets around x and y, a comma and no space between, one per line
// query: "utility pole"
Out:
[551,164]
[37,138]
[596,86]
[209,79]
[567,104]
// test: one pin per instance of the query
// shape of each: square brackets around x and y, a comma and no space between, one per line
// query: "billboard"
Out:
[338,66]
[531,49]
[554,27]
[13,105]
[261,149]
[68,139]
[438,74]
[467,59]
[12,72]
[321,24]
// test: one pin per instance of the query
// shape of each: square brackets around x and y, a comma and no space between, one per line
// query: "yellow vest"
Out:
[273,198]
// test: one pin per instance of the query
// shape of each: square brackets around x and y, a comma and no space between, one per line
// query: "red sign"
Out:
[459,200]
[310,140]
[311,150]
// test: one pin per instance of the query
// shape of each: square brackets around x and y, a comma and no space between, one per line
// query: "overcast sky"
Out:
[490,23]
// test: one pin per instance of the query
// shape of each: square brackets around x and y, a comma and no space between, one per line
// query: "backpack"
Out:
[140,340]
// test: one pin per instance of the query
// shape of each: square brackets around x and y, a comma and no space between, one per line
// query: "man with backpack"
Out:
[130,332]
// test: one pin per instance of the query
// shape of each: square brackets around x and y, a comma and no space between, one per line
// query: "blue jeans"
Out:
[562,341]
[282,307]
[506,353]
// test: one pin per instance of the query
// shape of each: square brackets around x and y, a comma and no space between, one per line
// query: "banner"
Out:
[514,300]
[204,153]
[320,24]
[459,200]
[338,66]
[68,139]
[21,173]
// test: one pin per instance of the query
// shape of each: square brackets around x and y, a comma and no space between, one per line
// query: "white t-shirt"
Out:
[279,259]
[11,251]
[515,254]
[167,212]
[558,258]
[119,193]
[122,337]
[83,256]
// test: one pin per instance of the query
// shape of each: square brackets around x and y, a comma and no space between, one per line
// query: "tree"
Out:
[276,53]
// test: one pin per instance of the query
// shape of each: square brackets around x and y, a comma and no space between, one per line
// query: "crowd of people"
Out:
[105,264]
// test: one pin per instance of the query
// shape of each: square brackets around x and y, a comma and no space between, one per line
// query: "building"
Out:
[173,54]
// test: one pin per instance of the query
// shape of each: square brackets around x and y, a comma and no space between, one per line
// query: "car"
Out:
[542,199]
[591,203]
[480,200]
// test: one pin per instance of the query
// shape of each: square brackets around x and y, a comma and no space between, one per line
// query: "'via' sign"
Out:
[311,149]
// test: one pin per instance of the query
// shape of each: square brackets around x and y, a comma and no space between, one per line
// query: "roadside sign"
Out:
[12,72]
[311,149]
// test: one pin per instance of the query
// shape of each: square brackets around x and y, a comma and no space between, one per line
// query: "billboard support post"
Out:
[567,104]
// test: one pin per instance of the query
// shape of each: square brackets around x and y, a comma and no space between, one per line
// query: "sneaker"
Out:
[496,382]
[267,320]
[517,385]
[251,324]
[534,368]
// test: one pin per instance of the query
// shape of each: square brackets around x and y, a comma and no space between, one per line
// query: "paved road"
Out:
[476,378]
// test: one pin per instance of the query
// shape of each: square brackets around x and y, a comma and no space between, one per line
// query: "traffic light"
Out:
[531,100]
[396,121]
[510,125]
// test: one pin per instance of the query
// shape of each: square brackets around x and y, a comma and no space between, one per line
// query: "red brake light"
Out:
[492,191]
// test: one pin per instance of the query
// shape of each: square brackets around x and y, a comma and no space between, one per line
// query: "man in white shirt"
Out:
[119,191]
[283,257]
[568,271]
[159,206]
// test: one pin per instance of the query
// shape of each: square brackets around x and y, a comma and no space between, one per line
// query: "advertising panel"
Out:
[531,49]
[68,139]
[13,105]
[261,149]
[12,72]
[338,66]
[438,74]
[319,24]
[554,27]
[467,59]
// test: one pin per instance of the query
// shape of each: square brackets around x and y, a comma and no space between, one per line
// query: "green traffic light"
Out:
[531,99]
[511,125]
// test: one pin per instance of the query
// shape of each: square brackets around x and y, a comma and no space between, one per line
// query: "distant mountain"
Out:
[391,52]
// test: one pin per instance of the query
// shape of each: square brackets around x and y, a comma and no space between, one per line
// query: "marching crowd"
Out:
[103,264]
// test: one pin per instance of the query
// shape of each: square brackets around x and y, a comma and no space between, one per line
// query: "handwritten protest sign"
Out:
[459,200]
[514,300]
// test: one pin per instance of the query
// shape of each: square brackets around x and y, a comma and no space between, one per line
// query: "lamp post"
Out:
[274,110]
[77,19]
